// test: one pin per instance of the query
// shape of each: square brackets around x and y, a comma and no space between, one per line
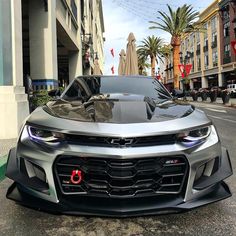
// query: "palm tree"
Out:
[151,46]
[177,23]
[166,51]
[142,63]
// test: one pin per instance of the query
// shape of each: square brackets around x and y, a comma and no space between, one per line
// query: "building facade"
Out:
[92,35]
[50,41]
[168,72]
[209,52]
[204,49]
[227,10]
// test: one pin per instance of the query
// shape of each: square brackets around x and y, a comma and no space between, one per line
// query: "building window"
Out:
[215,59]
[74,8]
[198,37]
[213,23]
[227,50]
[205,26]
[199,63]
[198,51]
[82,10]
[214,40]
[187,43]
[205,48]
[214,37]
[226,29]
[206,61]
[226,15]
[235,29]
[227,54]
[192,38]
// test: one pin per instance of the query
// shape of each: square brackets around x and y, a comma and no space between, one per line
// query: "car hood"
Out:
[111,118]
[120,109]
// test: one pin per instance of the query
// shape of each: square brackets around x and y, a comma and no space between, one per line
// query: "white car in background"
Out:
[232,89]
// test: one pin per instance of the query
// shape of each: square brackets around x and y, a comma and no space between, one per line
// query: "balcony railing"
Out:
[215,64]
[226,59]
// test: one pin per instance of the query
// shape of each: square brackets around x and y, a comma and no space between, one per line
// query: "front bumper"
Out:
[207,191]
[117,208]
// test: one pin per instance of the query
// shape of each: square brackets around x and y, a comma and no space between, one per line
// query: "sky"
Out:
[124,16]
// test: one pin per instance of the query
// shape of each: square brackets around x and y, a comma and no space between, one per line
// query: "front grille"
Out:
[122,178]
[121,142]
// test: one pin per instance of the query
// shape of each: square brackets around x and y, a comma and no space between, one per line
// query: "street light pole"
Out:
[184,61]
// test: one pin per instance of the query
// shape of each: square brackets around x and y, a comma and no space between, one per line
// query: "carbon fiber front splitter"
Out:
[119,207]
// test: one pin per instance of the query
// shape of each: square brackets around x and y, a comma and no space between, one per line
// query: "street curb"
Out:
[3,164]
[213,103]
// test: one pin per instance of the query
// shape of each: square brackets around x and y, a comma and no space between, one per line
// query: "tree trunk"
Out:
[153,65]
[140,70]
[175,43]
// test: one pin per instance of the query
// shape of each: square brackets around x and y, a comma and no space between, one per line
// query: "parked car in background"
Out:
[232,89]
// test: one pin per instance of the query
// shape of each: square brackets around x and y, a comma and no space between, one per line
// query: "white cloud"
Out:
[124,16]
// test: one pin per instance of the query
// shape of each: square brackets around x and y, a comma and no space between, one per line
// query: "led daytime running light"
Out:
[195,135]
[44,135]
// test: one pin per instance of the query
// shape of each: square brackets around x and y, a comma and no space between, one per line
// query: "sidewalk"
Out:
[5,146]
[232,101]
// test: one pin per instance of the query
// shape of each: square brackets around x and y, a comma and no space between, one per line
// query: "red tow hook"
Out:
[76,177]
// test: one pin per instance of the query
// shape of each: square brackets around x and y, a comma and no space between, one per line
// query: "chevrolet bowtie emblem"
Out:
[122,142]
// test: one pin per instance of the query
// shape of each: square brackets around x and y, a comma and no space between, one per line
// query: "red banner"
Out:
[233,44]
[112,70]
[185,69]
[112,52]
[188,68]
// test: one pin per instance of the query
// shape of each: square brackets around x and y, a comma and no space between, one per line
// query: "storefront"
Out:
[230,77]
[197,83]
[212,81]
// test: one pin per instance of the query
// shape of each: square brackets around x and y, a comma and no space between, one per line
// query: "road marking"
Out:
[221,111]
[219,118]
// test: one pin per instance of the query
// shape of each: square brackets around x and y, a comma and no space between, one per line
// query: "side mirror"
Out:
[54,93]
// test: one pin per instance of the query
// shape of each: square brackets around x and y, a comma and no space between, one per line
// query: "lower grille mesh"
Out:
[122,178]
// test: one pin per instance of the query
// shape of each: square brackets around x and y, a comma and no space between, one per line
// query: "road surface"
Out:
[215,219]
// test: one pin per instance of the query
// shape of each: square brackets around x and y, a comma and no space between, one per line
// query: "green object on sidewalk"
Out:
[3,164]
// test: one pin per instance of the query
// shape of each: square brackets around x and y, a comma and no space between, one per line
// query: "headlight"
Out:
[44,135]
[195,135]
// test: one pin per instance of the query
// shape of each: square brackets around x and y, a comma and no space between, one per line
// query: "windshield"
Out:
[83,88]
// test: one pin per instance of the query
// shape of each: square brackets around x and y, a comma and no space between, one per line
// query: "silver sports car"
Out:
[117,146]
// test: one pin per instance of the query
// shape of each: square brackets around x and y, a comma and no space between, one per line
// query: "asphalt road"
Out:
[215,219]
